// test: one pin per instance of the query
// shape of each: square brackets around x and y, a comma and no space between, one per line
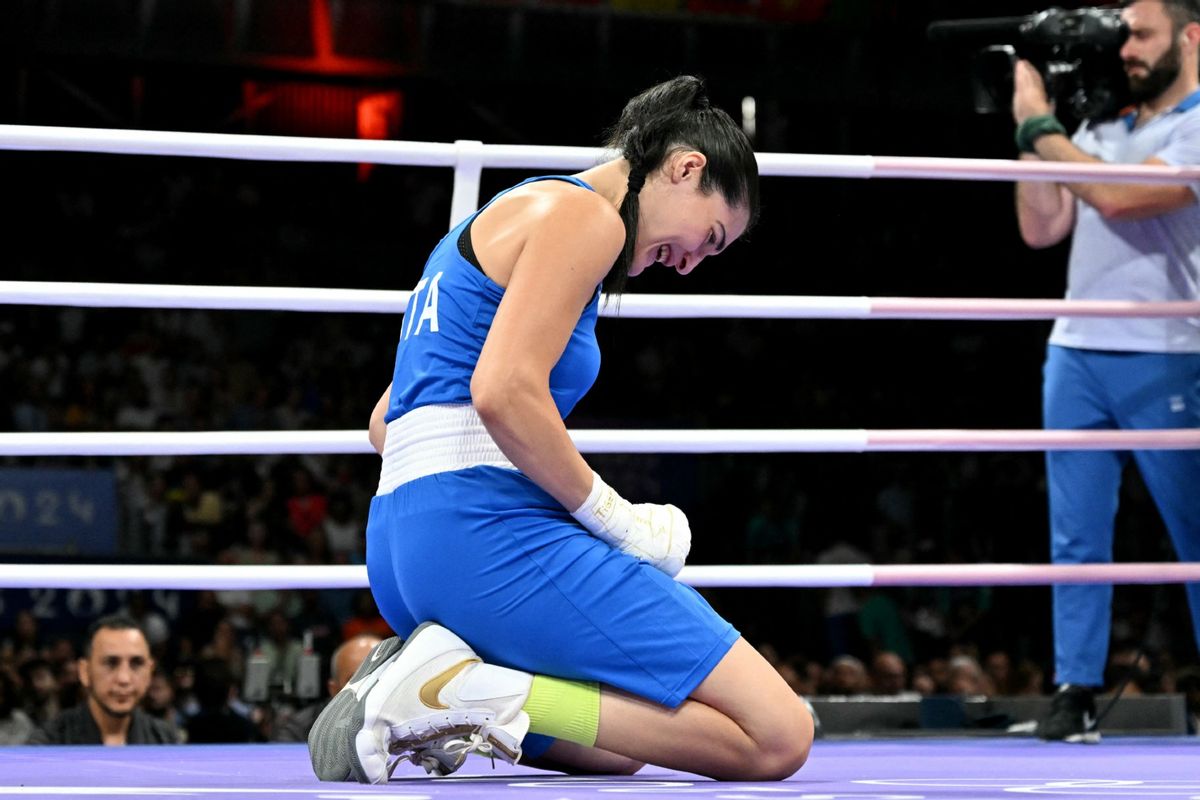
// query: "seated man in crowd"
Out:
[115,672]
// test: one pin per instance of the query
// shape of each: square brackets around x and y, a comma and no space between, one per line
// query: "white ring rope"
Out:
[197,577]
[852,440]
[469,158]
[434,154]
[658,306]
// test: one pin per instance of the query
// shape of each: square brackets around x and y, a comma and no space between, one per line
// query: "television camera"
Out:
[1076,51]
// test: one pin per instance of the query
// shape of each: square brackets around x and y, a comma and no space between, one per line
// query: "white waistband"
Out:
[433,439]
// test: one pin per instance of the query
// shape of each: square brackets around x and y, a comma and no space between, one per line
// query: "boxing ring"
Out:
[934,769]
[921,768]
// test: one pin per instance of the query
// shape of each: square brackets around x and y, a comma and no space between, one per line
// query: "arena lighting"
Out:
[378,117]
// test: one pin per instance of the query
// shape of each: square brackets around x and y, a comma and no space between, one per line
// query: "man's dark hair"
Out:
[112,622]
[1181,12]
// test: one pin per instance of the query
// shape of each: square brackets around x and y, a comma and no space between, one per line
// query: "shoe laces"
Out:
[428,760]
[472,743]
[445,756]
[456,749]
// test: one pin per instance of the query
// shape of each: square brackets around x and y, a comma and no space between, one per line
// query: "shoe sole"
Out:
[362,742]
[326,739]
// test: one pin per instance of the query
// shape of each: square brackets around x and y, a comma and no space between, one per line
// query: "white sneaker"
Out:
[328,747]
[434,703]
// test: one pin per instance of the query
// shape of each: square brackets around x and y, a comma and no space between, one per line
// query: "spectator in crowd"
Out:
[1132,670]
[938,668]
[15,725]
[1028,679]
[802,674]
[225,646]
[847,676]
[70,691]
[889,674]
[61,653]
[216,721]
[197,512]
[282,652]
[160,700]
[198,625]
[42,702]
[342,665]
[998,666]
[24,643]
[183,681]
[115,672]
[345,534]
[923,682]
[307,506]
[967,677]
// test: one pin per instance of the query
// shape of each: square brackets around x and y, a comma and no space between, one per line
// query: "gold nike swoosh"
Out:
[433,687]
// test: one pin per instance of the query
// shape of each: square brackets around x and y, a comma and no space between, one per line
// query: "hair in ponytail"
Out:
[664,119]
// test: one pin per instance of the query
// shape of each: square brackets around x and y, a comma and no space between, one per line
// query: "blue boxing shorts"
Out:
[487,553]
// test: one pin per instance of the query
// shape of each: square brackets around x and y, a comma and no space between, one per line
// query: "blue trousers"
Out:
[1105,390]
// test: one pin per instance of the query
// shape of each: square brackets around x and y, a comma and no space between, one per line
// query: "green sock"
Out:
[567,710]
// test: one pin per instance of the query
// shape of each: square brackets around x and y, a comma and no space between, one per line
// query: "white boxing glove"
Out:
[656,534]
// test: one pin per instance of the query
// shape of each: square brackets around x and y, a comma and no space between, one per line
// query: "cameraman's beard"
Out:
[1158,77]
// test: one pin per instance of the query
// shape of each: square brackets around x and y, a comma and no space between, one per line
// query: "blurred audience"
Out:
[846,676]
[160,700]
[889,674]
[342,665]
[282,652]
[966,677]
[41,685]
[15,725]
[998,666]
[366,619]
[216,720]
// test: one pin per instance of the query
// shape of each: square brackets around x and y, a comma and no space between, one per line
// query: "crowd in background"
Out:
[65,369]
[203,659]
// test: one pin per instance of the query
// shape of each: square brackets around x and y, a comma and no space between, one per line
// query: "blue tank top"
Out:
[448,318]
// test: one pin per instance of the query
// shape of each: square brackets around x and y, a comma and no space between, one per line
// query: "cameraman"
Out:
[1132,242]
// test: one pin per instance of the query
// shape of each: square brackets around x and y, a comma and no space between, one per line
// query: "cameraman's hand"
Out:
[1029,93]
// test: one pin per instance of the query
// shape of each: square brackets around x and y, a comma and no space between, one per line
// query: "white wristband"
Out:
[656,534]
[605,514]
